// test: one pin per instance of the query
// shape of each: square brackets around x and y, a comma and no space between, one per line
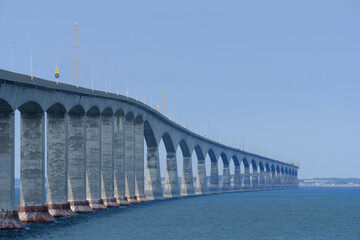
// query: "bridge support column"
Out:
[107,161]
[278,180]
[262,179]
[214,177]
[32,169]
[119,160]
[247,178]
[254,179]
[282,180]
[130,161]
[93,163]
[201,182]
[139,161]
[268,179]
[76,164]
[187,180]
[237,178]
[171,187]
[273,179]
[225,183]
[9,218]
[152,178]
[57,165]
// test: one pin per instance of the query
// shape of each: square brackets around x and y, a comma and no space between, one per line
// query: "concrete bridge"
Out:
[95,153]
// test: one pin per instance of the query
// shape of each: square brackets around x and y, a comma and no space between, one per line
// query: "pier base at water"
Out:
[97,204]
[122,201]
[34,214]
[80,206]
[141,198]
[60,210]
[110,202]
[10,220]
[132,200]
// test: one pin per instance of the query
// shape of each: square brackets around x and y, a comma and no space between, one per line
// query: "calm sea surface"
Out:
[305,213]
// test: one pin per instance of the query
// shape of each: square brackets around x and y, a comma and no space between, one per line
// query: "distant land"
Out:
[330,182]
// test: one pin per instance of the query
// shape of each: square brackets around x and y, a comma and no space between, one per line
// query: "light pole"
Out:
[136,86]
[92,73]
[106,76]
[56,61]
[11,55]
[76,46]
[31,72]
[117,83]
[127,83]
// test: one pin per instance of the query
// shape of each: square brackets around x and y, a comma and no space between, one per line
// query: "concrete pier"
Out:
[32,166]
[226,181]
[107,160]
[130,160]
[119,160]
[262,179]
[237,178]
[76,162]
[187,180]
[93,163]
[268,183]
[273,178]
[254,178]
[278,179]
[152,175]
[201,183]
[247,184]
[9,218]
[57,163]
[171,187]
[139,160]
[214,177]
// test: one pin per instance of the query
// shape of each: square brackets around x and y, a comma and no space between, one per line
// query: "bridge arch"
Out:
[107,111]
[56,108]
[5,106]
[31,107]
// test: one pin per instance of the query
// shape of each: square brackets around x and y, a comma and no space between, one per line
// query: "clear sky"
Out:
[281,76]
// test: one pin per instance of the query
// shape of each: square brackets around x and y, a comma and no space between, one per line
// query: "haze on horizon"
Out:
[278,77]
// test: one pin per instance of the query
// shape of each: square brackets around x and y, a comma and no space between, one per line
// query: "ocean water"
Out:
[304,213]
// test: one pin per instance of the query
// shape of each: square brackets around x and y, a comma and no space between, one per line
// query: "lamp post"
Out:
[117,83]
[76,46]
[11,55]
[106,76]
[127,84]
[56,61]
[31,72]
[92,73]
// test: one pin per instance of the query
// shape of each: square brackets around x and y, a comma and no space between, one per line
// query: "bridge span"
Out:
[95,153]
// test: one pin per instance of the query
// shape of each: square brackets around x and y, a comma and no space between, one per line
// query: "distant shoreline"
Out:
[329,185]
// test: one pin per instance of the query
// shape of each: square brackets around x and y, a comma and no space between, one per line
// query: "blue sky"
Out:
[280,75]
